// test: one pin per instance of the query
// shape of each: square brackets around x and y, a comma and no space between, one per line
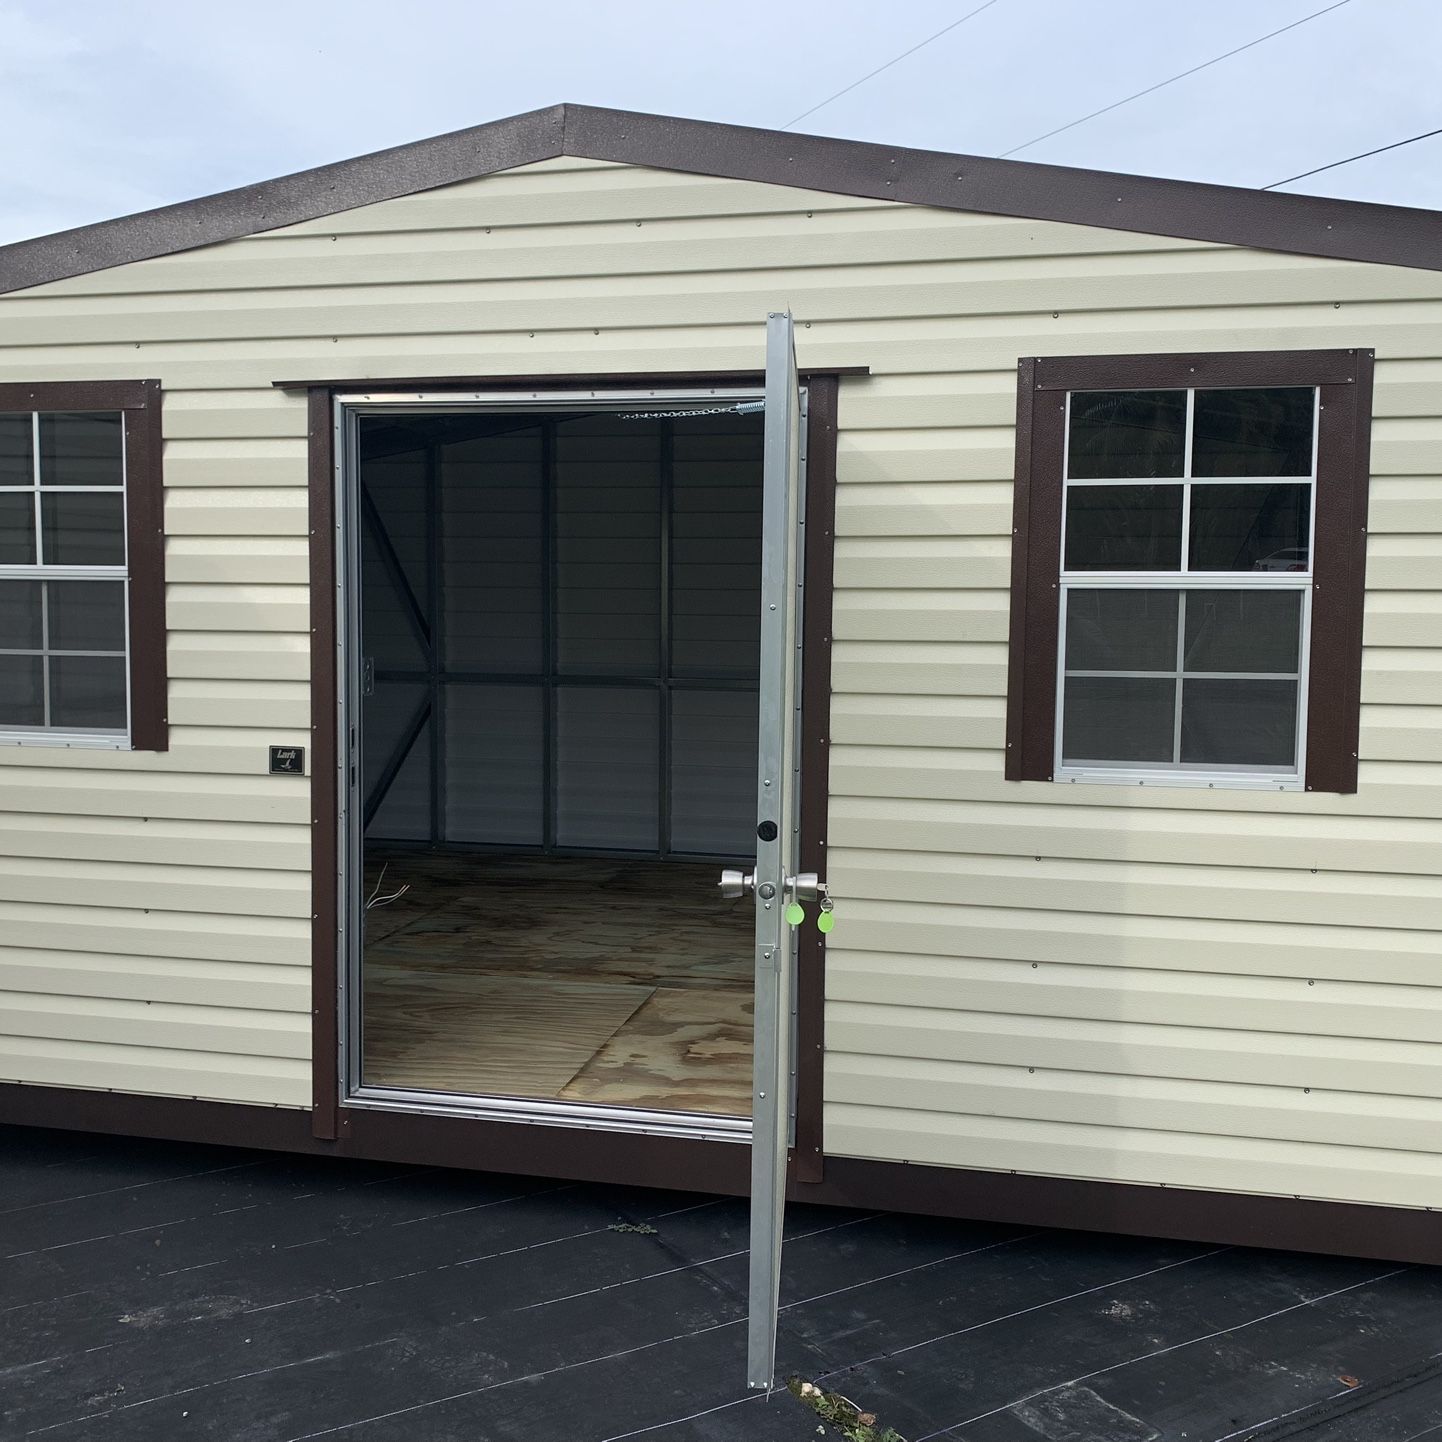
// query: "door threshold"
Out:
[586,1116]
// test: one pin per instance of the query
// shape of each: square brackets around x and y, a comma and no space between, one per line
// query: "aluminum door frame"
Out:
[345,408]
[778,816]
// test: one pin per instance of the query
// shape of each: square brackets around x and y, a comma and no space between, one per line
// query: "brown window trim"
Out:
[139,402]
[1338,547]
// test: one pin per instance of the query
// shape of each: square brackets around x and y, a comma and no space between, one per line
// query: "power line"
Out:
[1161,84]
[896,60]
[1395,145]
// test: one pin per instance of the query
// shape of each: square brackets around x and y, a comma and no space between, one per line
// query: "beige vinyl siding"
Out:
[155,909]
[1198,988]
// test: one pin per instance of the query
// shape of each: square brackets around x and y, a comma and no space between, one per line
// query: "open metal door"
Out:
[774,882]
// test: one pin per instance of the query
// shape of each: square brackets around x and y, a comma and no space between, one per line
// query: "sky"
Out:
[114,106]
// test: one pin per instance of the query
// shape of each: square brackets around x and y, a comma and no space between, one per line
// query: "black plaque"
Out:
[287,760]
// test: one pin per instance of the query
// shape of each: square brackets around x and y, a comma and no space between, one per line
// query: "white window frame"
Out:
[46,735]
[1182,580]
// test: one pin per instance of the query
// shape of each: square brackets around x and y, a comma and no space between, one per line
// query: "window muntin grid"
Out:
[64,645]
[1174,720]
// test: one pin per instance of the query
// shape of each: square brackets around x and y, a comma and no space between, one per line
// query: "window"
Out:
[82,631]
[1187,572]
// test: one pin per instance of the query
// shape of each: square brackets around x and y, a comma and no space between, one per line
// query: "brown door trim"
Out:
[817,557]
[324,783]
[330,1118]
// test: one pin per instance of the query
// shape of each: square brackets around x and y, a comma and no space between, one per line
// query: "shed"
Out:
[424,575]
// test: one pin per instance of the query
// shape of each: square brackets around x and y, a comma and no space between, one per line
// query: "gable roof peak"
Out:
[1229,215]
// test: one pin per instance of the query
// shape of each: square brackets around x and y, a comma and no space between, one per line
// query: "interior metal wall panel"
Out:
[608,552]
[716,547]
[713,772]
[608,793]
[591,547]
[491,552]
[495,764]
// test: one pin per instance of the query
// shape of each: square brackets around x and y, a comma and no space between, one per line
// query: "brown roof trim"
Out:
[1268,220]
[1230,215]
[306,195]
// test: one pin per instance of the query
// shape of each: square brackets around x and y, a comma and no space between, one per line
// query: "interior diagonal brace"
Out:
[375,528]
[397,758]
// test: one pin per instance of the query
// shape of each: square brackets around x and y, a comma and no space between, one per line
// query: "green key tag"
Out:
[826,920]
[795,914]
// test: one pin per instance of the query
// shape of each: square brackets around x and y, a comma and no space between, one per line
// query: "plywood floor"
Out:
[626,983]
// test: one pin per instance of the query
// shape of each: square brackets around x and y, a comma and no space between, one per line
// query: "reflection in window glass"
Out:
[20,623]
[17,466]
[1118,719]
[1121,630]
[81,450]
[87,692]
[1253,432]
[1126,434]
[86,528]
[1239,723]
[87,615]
[17,528]
[1124,528]
[1243,631]
[22,701]
[1250,528]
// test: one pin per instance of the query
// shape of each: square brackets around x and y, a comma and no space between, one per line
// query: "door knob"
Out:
[805,886]
[736,883]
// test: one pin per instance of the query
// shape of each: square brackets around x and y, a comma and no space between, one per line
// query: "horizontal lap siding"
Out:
[1217,989]
[156,909]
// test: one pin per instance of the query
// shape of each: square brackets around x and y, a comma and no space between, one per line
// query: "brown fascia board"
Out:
[306,195]
[1227,215]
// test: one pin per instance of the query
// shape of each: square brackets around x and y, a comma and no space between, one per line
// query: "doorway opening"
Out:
[553,632]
